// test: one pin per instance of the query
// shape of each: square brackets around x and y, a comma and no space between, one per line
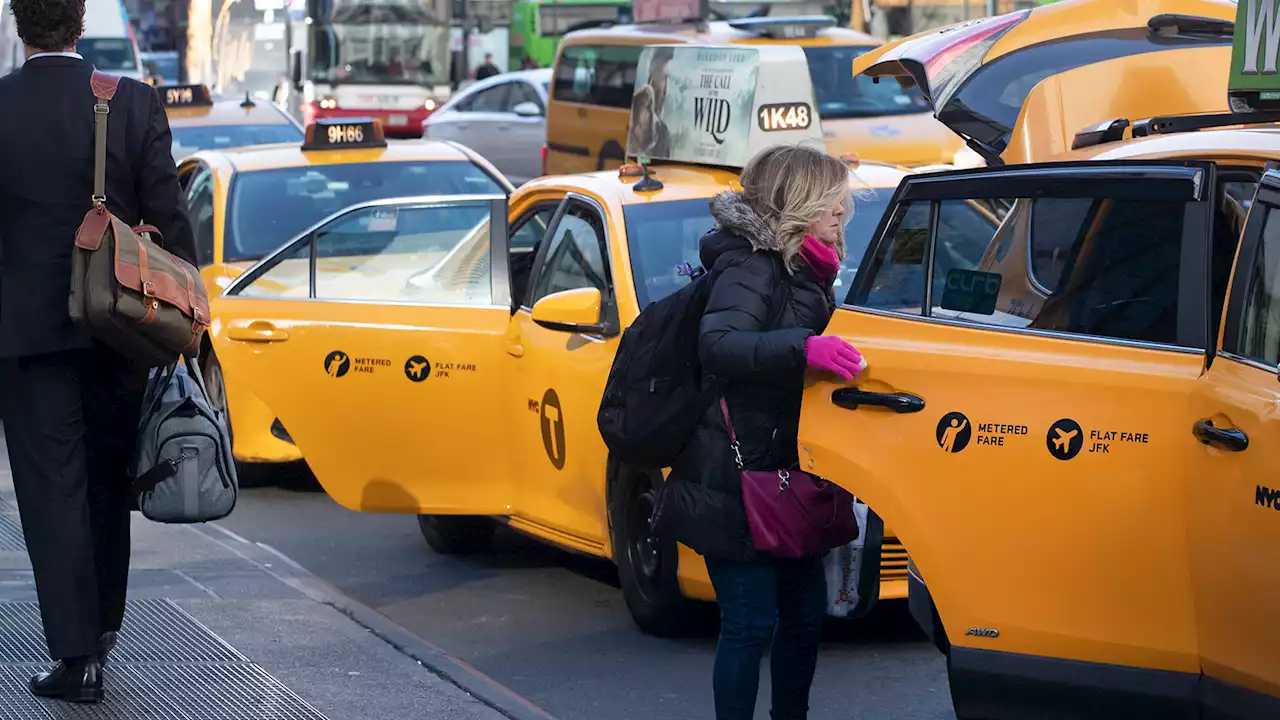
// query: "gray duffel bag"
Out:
[183,469]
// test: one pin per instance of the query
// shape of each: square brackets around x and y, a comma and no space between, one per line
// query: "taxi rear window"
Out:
[841,95]
[268,207]
[987,106]
[663,235]
[187,140]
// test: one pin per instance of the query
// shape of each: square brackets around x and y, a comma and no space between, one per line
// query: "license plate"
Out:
[398,120]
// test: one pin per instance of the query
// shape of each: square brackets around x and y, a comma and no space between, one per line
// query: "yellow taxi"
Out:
[198,122]
[1085,60]
[246,202]
[1072,421]
[446,356]
[593,91]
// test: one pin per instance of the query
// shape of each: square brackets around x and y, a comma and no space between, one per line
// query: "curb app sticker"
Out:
[417,368]
[552,428]
[337,364]
[954,432]
[1064,439]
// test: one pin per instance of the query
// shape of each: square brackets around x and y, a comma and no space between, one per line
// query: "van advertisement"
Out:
[694,105]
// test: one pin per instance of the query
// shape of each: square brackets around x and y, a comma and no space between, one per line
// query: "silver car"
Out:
[503,118]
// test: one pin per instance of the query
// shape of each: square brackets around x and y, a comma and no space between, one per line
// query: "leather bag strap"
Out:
[104,88]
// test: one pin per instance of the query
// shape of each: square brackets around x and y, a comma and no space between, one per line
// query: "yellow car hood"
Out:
[908,140]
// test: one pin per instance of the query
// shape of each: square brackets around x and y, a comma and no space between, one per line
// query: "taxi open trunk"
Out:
[1018,87]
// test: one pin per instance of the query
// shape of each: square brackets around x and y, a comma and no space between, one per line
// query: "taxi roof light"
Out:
[787,28]
[344,134]
[184,95]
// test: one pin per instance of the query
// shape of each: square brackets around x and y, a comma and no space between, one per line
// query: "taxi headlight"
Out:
[429,104]
[328,103]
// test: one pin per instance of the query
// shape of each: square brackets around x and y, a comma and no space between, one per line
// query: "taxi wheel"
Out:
[647,566]
[248,475]
[457,534]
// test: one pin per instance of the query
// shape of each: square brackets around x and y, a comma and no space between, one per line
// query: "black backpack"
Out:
[656,393]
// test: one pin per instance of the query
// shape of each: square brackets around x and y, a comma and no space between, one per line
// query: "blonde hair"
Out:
[790,186]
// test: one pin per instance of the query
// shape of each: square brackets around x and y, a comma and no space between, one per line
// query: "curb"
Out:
[453,669]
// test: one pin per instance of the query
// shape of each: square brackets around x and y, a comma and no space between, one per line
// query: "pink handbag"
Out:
[791,513]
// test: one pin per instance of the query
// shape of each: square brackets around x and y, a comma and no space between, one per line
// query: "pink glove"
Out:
[832,354]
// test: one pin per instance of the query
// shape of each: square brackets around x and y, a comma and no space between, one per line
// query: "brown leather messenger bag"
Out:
[126,290]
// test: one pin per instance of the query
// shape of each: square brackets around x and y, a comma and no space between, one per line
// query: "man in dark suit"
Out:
[71,403]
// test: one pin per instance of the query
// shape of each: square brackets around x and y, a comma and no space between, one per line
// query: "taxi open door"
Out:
[978,74]
[376,337]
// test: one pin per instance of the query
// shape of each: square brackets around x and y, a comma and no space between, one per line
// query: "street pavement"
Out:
[216,629]
[553,627]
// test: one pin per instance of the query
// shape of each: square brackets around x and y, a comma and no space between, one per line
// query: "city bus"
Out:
[538,25]
[386,59]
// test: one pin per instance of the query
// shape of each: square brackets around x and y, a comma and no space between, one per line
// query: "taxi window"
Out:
[492,99]
[1259,337]
[574,257]
[200,210]
[288,277]
[661,236]
[986,107]
[842,95]
[406,254]
[108,54]
[597,75]
[216,137]
[268,207]
[1099,266]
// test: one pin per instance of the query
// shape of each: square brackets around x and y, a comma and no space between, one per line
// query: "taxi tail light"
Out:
[543,152]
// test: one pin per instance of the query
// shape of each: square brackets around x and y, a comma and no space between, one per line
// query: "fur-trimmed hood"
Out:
[738,226]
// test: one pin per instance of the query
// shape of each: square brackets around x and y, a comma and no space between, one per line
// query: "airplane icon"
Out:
[1063,441]
[416,368]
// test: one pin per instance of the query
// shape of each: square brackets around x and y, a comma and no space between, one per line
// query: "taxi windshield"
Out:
[269,207]
[187,140]
[663,235]
[108,54]
[841,95]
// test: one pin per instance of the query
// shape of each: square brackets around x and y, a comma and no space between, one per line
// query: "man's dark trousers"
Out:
[70,421]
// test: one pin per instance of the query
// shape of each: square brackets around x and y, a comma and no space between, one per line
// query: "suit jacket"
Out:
[46,187]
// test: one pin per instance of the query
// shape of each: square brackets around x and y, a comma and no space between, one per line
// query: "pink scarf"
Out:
[821,257]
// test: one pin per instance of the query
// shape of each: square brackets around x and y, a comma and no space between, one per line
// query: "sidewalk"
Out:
[213,632]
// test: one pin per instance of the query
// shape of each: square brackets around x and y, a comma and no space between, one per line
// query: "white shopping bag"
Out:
[843,566]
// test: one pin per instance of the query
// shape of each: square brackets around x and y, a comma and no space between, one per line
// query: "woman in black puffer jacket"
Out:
[779,240]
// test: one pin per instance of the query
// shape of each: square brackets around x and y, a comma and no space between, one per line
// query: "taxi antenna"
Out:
[648,183]
[248,101]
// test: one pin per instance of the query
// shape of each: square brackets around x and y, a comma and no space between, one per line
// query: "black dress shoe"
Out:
[106,644]
[77,680]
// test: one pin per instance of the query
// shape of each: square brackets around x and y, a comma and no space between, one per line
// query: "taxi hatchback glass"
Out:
[841,95]
[663,235]
[108,54]
[268,207]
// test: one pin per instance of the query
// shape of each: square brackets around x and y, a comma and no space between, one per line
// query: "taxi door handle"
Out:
[853,398]
[1227,438]
[258,331]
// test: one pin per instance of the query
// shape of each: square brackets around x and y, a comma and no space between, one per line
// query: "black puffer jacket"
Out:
[763,372]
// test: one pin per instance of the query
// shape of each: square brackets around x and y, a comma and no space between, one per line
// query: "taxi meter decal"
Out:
[552,421]
[339,363]
[417,368]
[718,105]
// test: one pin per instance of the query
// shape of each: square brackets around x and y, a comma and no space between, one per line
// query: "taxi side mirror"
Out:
[295,71]
[576,311]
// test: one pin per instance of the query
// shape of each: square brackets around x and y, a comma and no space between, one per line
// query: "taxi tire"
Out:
[457,534]
[647,565]
[248,475]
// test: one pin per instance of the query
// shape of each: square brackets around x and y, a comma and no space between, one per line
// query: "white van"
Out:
[108,40]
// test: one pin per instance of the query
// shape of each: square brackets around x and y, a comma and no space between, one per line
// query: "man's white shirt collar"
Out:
[77,56]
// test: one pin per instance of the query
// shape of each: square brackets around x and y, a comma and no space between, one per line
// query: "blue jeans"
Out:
[785,599]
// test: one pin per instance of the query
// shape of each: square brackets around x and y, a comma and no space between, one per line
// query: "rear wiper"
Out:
[1174,24]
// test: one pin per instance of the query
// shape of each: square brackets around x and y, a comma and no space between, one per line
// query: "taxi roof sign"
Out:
[344,134]
[1255,78]
[720,104]
[184,95]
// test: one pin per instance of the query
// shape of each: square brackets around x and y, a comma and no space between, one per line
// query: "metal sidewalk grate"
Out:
[155,631]
[11,539]
[167,666]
